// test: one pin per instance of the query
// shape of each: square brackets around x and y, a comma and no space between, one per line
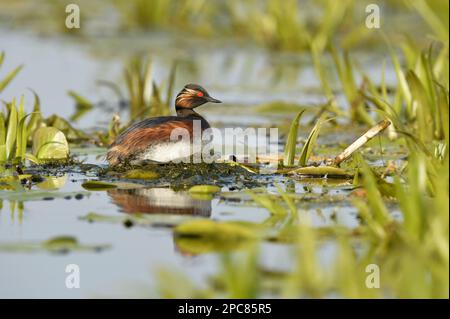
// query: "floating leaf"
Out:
[328,171]
[211,230]
[196,246]
[33,195]
[204,189]
[138,219]
[50,143]
[141,174]
[101,185]
[60,244]
[98,185]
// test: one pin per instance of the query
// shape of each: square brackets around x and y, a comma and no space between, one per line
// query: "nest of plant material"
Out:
[179,174]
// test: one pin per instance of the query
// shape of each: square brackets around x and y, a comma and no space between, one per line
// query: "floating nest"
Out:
[181,174]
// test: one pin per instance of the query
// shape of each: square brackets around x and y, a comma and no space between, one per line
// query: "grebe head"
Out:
[193,95]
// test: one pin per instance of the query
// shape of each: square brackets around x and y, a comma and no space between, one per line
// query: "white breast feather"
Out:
[166,152]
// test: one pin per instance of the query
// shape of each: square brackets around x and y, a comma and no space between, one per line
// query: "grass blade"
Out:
[11,75]
[12,130]
[310,143]
[291,143]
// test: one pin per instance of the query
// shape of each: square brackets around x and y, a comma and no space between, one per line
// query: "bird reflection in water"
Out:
[159,201]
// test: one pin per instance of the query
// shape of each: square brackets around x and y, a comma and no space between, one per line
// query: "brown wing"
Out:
[138,140]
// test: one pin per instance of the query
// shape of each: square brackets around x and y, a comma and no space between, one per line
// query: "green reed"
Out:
[145,96]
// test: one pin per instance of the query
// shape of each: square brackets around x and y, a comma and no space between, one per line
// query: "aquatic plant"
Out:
[13,133]
[49,144]
[10,76]
[82,105]
[143,92]
[290,147]
[18,129]
[423,116]
[16,132]
[415,247]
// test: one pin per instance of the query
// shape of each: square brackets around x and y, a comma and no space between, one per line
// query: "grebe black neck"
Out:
[184,112]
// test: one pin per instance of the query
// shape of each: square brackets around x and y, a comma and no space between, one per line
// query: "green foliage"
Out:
[204,189]
[60,244]
[10,76]
[419,245]
[82,106]
[319,171]
[346,76]
[141,174]
[291,143]
[13,133]
[49,143]
[310,143]
[209,230]
[423,115]
[143,92]
[290,147]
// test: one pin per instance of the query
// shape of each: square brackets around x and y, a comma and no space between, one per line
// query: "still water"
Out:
[241,77]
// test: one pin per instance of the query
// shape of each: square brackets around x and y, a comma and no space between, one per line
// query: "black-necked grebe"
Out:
[150,139]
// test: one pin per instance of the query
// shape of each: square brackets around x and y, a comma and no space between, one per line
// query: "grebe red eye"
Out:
[199,94]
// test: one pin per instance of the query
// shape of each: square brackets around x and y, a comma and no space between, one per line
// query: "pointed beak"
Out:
[212,100]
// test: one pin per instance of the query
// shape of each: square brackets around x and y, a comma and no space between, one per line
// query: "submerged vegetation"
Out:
[394,178]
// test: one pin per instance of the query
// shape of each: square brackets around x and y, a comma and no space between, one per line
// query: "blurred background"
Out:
[247,53]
